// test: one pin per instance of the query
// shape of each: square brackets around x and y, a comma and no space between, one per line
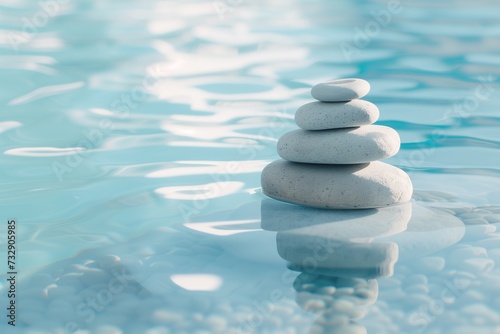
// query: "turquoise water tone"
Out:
[133,133]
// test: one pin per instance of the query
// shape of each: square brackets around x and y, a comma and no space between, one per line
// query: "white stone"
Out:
[478,265]
[312,302]
[480,310]
[431,264]
[416,278]
[93,276]
[360,186]
[324,116]
[339,146]
[340,90]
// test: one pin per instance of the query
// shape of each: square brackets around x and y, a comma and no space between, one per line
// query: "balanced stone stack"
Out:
[331,162]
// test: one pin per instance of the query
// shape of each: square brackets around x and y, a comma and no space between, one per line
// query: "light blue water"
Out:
[133,134]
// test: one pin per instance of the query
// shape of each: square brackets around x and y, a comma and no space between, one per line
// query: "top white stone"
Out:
[340,90]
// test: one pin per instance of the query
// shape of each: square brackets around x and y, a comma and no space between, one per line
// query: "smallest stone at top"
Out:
[342,90]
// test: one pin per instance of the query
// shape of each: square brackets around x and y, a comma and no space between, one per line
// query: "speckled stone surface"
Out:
[323,116]
[340,90]
[339,146]
[372,185]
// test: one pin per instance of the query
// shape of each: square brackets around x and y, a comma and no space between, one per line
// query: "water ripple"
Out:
[8,125]
[44,151]
[45,92]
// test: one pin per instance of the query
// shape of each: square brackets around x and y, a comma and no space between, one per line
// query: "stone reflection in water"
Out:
[338,258]
[336,242]
[338,301]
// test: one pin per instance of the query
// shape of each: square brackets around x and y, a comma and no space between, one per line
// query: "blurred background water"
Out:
[133,133]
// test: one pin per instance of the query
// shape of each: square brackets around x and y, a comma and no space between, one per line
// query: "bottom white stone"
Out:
[370,185]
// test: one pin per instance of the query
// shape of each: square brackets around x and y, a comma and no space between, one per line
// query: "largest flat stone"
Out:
[372,185]
[339,146]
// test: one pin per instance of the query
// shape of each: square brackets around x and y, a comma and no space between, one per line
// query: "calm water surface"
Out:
[133,133]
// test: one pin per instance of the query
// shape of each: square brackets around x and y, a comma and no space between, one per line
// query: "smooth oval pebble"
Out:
[372,185]
[340,90]
[339,146]
[324,116]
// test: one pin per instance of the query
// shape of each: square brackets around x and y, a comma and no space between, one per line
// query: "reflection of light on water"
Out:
[209,168]
[101,111]
[187,83]
[217,63]
[202,144]
[5,126]
[220,170]
[211,227]
[30,63]
[46,91]
[165,26]
[205,132]
[44,151]
[197,282]
[200,192]
[38,42]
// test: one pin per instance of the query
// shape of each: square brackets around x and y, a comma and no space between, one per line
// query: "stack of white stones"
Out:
[331,162]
